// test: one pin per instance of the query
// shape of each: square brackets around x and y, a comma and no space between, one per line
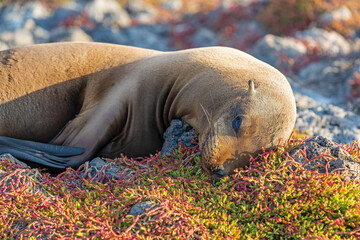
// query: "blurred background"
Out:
[315,43]
[173,24]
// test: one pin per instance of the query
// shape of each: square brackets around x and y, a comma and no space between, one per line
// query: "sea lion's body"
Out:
[113,99]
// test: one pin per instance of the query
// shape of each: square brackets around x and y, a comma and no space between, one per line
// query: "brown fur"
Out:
[116,99]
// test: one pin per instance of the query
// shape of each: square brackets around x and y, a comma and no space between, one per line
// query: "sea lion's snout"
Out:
[226,162]
[219,171]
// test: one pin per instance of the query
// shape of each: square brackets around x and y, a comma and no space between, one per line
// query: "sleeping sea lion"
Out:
[110,99]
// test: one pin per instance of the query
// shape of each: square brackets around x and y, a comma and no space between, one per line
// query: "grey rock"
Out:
[330,43]
[12,159]
[107,35]
[40,35]
[97,9]
[322,118]
[352,86]
[245,27]
[59,15]
[204,37]
[3,46]
[152,37]
[20,37]
[141,208]
[26,180]
[343,13]
[327,77]
[179,131]
[120,19]
[329,71]
[357,33]
[102,171]
[143,13]
[250,31]
[172,5]
[136,6]
[318,145]
[108,12]
[29,24]
[23,37]
[97,162]
[14,16]
[8,38]
[76,5]
[270,47]
[62,34]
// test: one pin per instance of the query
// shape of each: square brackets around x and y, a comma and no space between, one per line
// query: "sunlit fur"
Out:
[111,99]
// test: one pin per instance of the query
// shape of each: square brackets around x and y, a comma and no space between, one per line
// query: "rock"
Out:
[141,208]
[329,43]
[248,33]
[97,162]
[97,9]
[108,35]
[179,131]
[76,5]
[18,38]
[152,37]
[352,87]
[343,13]
[120,19]
[14,16]
[327,77]
[357,33]
[58,17]
[62,34]
[318,145]
[3,46]
[141,12]
[8,38]
[329,71]
[24,180]
[108,12]
[12,159]
[29,25]
[101,171]
[325,119]
[270,48]
[172,5]
[23,37]
[40,35]
[204,37]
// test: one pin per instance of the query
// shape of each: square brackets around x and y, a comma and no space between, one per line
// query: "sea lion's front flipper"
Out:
[47,155]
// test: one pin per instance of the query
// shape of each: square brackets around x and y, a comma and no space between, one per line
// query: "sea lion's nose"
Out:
[219,171]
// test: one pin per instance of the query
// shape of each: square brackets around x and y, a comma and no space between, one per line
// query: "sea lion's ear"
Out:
[251,87]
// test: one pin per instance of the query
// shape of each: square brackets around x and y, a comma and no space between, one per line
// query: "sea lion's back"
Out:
[31,68]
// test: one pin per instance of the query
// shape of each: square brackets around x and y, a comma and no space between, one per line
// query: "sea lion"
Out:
[111,99]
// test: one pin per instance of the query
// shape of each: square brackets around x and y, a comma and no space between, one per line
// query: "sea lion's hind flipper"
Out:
[31,157]
[56,150]
[47,155]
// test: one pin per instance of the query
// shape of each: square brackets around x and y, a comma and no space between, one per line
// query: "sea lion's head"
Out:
[257,119]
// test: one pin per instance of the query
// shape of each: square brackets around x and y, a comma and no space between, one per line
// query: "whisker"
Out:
[206,114]
[212,99]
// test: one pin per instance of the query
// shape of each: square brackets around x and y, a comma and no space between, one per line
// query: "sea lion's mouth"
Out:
[220,155]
